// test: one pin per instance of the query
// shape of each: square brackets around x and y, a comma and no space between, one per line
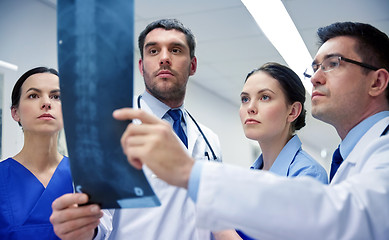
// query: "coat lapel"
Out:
[349,164]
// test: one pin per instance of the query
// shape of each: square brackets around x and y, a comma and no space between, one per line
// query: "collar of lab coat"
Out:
[355,134]
[374,132]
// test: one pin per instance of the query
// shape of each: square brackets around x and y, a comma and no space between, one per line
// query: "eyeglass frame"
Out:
[340,58]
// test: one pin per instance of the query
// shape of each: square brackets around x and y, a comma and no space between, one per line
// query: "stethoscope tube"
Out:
[197,125]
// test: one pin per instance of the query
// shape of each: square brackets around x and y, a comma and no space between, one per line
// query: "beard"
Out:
[167,93]
[165,89]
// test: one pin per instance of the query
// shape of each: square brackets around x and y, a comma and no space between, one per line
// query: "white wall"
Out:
[28,39]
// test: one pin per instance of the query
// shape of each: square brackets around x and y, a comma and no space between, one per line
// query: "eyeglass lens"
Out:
[327,65]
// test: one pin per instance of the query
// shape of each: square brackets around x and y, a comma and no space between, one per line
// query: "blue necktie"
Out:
[176,114]
[336,161]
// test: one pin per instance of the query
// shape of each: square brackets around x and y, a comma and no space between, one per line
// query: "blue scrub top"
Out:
[25,204]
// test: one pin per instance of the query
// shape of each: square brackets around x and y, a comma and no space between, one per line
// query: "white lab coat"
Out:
[265,206]
[175,218]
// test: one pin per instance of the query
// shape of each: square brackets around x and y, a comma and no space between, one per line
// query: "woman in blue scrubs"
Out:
[272,109]
[32,179]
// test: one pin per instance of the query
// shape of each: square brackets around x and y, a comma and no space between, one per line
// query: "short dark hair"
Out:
[168,24]
[16,92]
[372,44]
[291,86]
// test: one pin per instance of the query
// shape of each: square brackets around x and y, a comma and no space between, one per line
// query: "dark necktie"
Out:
[176,114]
[336,161]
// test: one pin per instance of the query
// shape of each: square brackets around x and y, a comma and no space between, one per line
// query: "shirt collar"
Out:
[159,108]
[356,133]
[284,159]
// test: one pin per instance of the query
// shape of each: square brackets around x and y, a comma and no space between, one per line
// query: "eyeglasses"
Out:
[332,63]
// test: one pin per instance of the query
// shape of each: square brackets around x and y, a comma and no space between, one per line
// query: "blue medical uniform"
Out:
[25,204]
[292,162]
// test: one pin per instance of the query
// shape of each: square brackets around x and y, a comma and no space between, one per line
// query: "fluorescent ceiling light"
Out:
[276,24]
[8,65]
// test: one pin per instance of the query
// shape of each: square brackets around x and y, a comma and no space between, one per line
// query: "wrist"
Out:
[187,170]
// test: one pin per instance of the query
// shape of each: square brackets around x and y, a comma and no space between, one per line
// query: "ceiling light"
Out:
[8,65]
[276,24]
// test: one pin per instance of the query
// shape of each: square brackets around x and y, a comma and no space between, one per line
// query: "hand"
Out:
[71,221]
[155,144]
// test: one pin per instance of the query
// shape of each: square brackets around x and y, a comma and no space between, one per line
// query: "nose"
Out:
[165,58]
[318,78]
[46,105]
[252,109]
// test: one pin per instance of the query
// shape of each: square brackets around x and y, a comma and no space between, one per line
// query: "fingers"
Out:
[133,142]
[71,221]
[79,229]
[68,200]
[155,144]
[138,139]
[130,113]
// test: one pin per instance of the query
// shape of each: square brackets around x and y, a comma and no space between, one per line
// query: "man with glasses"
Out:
[350,91]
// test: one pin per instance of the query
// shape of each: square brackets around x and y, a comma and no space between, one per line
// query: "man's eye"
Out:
[176,50]
[332,64]
[153,51]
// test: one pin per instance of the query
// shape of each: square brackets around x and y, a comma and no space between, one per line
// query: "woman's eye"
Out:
[33,95]
[56,97]
[244,99]
[265,98]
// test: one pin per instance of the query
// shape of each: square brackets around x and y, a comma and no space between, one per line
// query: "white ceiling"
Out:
[230,44]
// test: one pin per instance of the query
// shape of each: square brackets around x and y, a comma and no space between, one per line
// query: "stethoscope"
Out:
[198,127]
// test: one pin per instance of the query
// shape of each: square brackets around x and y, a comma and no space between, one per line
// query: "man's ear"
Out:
[193,66]
[140,66]
[294,112]
[379,83]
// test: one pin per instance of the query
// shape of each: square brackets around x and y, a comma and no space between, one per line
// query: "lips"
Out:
[46,116]
[316,94]
[251,121]
[164,73]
